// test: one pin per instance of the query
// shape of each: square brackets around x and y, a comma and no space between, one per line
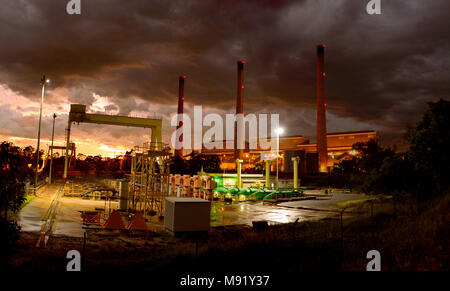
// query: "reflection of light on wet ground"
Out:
[68,220]
[246,212]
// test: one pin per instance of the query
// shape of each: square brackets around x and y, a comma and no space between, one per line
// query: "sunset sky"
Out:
[125,57]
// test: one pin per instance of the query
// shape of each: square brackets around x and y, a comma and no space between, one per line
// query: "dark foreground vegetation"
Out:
[422,171]
[408,240]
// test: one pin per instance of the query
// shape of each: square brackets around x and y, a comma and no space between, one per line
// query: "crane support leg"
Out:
[156,142]
[66,158]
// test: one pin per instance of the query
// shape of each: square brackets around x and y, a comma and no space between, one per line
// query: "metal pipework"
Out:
[239,169]
[321,133]
[66,158]
[267,173]
[296,160]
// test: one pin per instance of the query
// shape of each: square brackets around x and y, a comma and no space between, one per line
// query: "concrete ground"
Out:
[68,219]
[32,217]
[245,212]
[59,215]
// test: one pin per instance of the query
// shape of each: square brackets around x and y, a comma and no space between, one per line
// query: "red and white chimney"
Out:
[179,146]
[321,134]
[239,126]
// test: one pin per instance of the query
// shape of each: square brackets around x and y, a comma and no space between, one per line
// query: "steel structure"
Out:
[149,179]
[78,114]
[49,155]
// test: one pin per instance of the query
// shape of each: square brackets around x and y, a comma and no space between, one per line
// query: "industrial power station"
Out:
[150,183]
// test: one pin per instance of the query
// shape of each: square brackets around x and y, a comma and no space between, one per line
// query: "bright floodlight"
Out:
[279,130]
[48,80]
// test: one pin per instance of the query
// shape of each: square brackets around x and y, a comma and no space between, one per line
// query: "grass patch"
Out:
[361,202]
[352,203]
[28,199]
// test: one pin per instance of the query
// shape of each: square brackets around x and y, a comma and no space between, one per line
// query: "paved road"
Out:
[67,220]
[67,217]
[32,216]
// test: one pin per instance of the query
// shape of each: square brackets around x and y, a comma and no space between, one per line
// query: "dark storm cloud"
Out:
[381,69]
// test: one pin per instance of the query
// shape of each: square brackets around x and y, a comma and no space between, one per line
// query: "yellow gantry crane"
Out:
[78,114]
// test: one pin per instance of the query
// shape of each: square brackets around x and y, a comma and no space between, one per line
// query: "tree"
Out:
[429,150]
[396,174]
[422,170]
[210,164]
[371,155]
[364,168]
[12,193]
[178,165]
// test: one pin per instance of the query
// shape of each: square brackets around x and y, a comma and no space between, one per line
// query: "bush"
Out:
[422,171]
[10,234]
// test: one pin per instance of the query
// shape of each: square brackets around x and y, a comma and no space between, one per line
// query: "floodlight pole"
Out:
[51,151]
[278,154]
[43,80]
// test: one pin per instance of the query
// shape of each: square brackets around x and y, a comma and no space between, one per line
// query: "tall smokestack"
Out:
[321,134]
[238,128]
[179,151]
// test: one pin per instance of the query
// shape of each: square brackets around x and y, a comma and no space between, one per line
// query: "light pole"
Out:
[278,131]
[51,151]
[43,82]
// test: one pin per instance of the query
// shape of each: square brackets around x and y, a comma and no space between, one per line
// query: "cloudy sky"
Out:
[124,57]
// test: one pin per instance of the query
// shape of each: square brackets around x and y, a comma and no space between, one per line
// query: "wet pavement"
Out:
[67,217]
[33,216]
[67,212]
[245,213]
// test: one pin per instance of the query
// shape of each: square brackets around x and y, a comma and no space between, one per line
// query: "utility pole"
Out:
[51,151]
[43,81]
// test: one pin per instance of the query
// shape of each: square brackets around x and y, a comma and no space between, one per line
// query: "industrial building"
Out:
[339,148]
[150,180]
